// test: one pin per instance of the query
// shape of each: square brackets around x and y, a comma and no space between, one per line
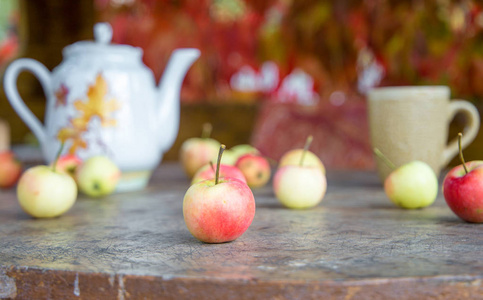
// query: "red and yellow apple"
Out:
[10,169]
[68,164]
[45,193]
[197,152]
[255,168]
[218,210]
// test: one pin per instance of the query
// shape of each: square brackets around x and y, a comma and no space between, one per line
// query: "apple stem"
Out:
[220,153]
[57,156]
[308,141]
[460,135]
[206,132]
[212,166]
[386,160]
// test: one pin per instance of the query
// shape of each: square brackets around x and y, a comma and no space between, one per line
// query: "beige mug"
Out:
[411,123]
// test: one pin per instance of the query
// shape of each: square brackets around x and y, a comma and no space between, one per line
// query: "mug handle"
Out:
[10,85]
[470,131]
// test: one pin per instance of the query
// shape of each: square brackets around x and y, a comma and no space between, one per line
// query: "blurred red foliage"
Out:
[345,47]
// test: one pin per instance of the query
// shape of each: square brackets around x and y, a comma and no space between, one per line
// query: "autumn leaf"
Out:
[96,105]
[73,134]
[80,123]
[61,95]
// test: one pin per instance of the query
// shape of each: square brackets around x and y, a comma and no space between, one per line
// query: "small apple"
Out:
[97,176]
[302,185]
[197,152]
[299,187]
[463,189]
[10,169]
[293,157]
[412,185]
[255,168]
[229,158]
[218,210]
[43,192]
[243,149]
[68,163]
[208,172]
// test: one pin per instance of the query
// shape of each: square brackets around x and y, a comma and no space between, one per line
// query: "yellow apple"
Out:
[45,193]
[293,157]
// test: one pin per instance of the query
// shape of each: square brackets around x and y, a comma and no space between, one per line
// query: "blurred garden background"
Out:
[271,72]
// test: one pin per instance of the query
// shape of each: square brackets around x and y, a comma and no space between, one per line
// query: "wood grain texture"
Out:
[355,245]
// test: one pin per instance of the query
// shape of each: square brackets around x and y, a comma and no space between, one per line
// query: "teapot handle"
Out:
[10,85]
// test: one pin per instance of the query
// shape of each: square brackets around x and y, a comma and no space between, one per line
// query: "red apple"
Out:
[218,210]
[255,168]
[207,172]
[463,189]
[68,164]
[10,169]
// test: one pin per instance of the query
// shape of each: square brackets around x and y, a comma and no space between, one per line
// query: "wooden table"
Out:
[355,245]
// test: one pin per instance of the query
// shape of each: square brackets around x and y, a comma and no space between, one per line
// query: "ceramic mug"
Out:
[411,123]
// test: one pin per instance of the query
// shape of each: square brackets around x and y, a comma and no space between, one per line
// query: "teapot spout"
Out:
[169,92]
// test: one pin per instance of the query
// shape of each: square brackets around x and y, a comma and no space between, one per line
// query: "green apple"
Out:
[243,149]
[412,185]
[229,158]
[97,176]
[45,193]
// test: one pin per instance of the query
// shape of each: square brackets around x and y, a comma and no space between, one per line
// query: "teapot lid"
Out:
[102,45]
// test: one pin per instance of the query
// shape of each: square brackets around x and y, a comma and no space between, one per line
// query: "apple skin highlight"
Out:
[218,213]
[464,192]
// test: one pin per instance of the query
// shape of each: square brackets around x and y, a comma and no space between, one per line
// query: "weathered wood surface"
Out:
[355,245]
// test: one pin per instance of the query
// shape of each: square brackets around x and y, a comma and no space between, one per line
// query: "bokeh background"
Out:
[271,72]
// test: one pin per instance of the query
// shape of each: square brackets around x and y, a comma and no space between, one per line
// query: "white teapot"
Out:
[103,100]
